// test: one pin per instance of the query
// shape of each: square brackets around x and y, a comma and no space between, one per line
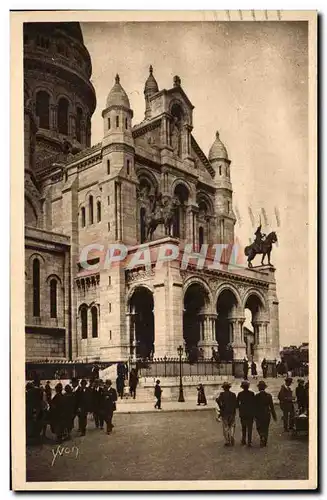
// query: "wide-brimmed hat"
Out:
[245,383]
[226,384]
[300,381]
[262,384]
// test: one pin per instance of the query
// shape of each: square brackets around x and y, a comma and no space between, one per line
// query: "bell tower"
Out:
[118,156]
[218,158]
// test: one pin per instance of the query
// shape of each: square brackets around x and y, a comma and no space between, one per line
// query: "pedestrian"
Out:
[120,384]
[95,372]
[109,405]
[306,388]
[97,393]
[227,403]
[264,367]
[245,369]
[285,397]
[83,396]
[202,400]
[48,391]
[300,396]
[246,407]
[157,394]
[57,413]
[75,385]
[69,410]
[264,409]
[133,381]
[254,372]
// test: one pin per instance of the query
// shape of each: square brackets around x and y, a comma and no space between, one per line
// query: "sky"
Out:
[249,81]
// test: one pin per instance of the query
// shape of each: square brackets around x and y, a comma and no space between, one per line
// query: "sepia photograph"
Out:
[164,330]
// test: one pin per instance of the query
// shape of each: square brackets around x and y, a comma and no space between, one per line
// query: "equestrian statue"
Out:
[162,212]
[262,245]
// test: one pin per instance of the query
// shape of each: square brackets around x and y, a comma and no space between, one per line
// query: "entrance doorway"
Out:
[226,306]
[142,327]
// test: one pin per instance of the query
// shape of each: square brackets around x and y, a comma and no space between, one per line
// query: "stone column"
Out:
[261,347]
[239,346]
[207,335]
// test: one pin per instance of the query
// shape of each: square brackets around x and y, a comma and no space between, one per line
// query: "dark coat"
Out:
[57,413]
[264,406]
[96,397]
[285,397]
[300,394]
[227,403]
[246,404]
[109,398]
[83,400]
[157,391]
[253,369]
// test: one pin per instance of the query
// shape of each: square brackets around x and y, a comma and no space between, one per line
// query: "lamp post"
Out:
[181,394]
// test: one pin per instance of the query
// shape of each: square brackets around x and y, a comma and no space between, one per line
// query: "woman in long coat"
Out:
[57,413]
[202,400]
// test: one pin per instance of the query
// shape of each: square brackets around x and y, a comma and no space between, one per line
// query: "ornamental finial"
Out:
[117,78]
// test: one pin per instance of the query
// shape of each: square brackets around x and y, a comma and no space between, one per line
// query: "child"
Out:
[157,393]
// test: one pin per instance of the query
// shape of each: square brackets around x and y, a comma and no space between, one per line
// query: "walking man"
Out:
[300,395]
[83,397]
[285,397]
[264,367]
[246,406]
[245,369]
[96,402]
[109,404]
[264,409]
[157,393]
[227,403]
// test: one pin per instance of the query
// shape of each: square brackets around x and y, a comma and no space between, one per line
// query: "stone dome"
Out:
[151,86]
[117,95]
[217,150]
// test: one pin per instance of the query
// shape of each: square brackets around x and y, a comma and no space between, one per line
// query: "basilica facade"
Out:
[143,186]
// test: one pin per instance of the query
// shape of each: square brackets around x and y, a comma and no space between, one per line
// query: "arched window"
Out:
[99,211]
[109,124]
[117,121]
[83,217]
[36,287]
[219,169]
[42,109]
[63,116]
[91,218]
[79,118]
[94,314]
[53,298]
[126,123]
[142,225]
[108,167]
[201,237]
[128,167]
[84,322]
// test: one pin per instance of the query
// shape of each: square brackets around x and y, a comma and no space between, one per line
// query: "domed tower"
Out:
[218,158]
[150,88]
[57,68]
[118,165]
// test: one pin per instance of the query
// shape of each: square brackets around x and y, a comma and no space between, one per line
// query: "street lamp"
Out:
[181,394]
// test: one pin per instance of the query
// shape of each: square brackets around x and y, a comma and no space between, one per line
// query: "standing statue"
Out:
[262,245]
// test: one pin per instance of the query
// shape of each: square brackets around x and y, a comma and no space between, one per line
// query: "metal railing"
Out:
[169,367]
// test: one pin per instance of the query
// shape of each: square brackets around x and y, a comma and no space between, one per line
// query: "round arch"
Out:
[197,303]
[141,324]
[183,182]
[256,293]
[205,198]
[142,172]
[232,289]
[202,282]
[227,307]
[55,277]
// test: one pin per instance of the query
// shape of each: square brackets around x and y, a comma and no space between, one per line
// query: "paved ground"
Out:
[168,446]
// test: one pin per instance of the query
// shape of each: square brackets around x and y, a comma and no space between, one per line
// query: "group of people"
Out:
[252,367]
[259,408]
[60,410]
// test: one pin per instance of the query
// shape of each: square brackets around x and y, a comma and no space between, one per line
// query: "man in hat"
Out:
[246,406]
[285,397]
[264,409]
[227,403]
[83,399]
[157,394]
[300,395]
[109,404]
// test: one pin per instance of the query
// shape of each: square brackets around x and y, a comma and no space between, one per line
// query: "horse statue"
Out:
[162,213]
[264,248]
